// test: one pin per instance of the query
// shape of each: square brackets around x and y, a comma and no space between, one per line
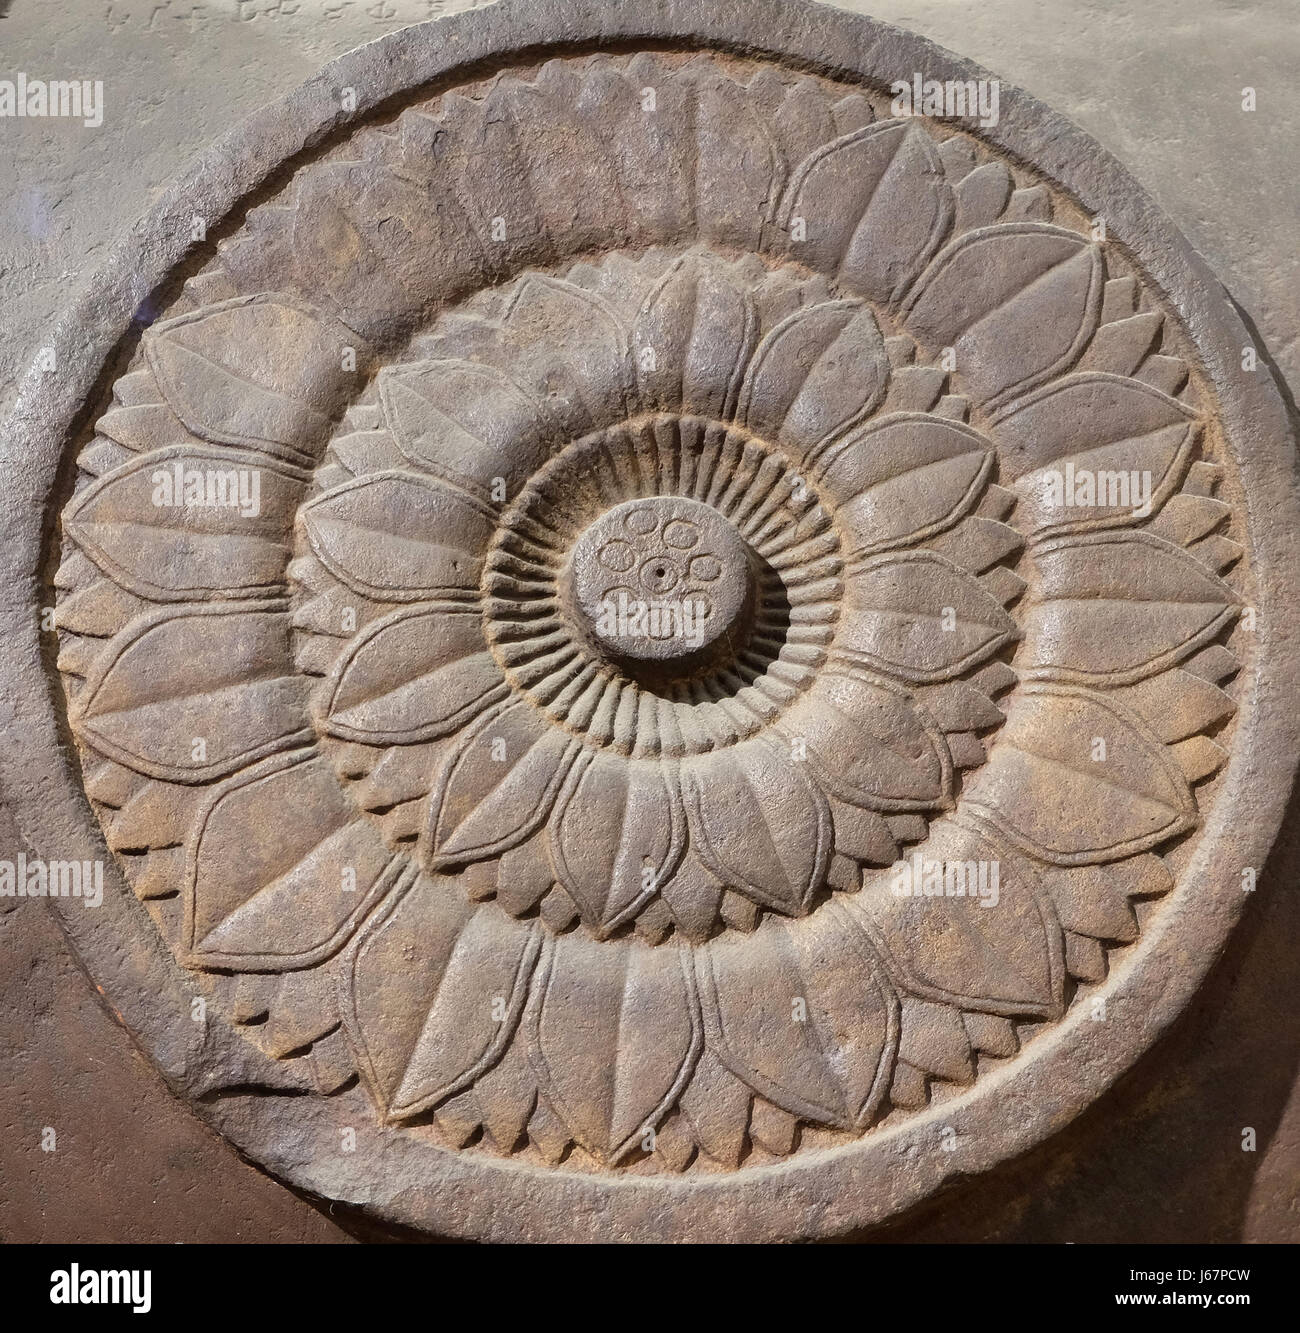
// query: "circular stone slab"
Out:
[433,904]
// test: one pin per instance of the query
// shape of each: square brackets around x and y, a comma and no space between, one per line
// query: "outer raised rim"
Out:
[816,1193]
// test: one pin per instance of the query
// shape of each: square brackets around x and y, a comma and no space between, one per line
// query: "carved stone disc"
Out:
[654,648]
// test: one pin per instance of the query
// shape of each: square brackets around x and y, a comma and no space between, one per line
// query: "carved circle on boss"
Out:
[663,580]
[738,634]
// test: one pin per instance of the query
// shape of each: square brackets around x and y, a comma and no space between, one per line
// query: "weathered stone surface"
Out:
[695,992]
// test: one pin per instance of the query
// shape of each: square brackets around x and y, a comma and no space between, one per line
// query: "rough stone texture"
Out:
[1195,763]
[1158,82]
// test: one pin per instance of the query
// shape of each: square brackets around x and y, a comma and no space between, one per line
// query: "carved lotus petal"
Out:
[254,371]
[656,166]
[1015,303]
[1082,627]
[802,1012]
[617,835]
[904,477]
[174,552]
[415,675]
[700,327]
[819,372]
[399,535]
[778,854]
[425,984]
[982,195]
[1076,780]
[1001,952]
[875,205]
[916,615]
[737,165]
[569,348]
[265,890]
[498,786]
[800,117]
[369,243]
[190,694]
[869,744]
[568,185]
[1093,423]
[614,1035]
[466,422]
[486,173]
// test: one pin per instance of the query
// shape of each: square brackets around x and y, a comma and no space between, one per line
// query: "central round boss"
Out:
[663,581]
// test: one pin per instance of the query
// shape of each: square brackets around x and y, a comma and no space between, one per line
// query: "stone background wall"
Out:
[1158,82]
